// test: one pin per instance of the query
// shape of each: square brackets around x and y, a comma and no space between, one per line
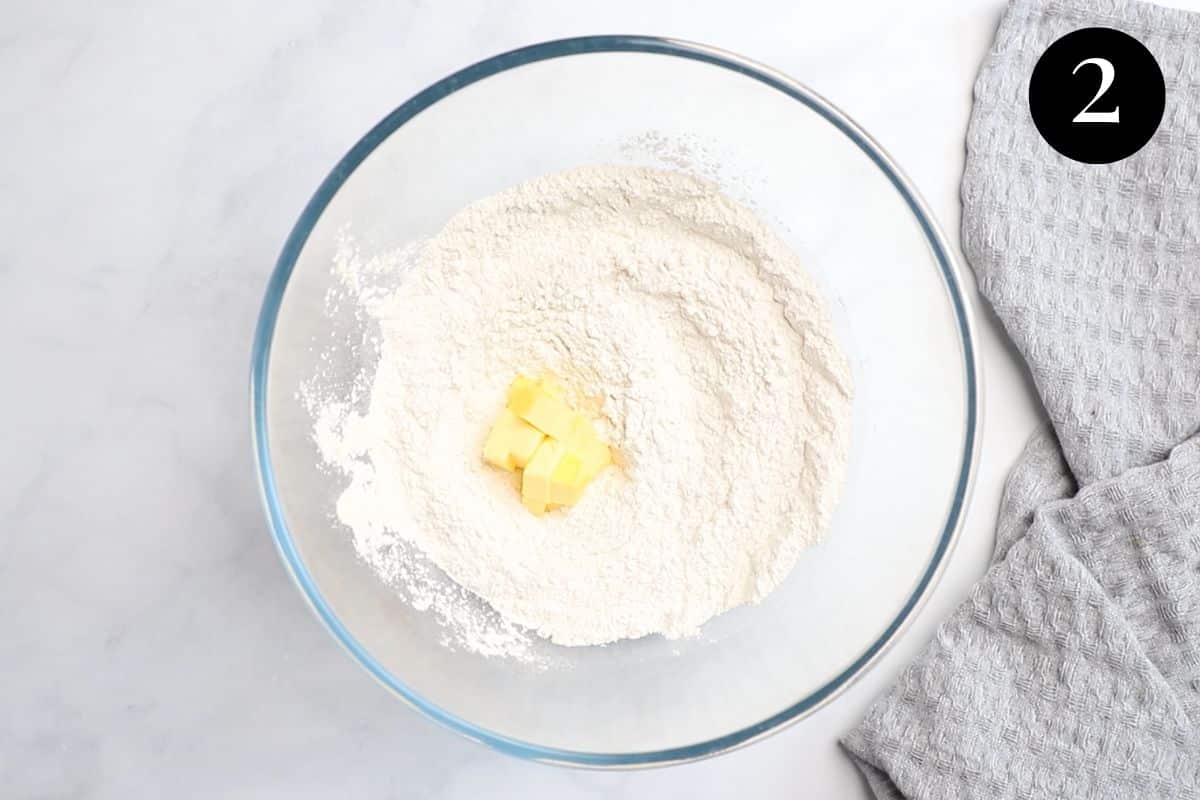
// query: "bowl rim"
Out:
[260,361]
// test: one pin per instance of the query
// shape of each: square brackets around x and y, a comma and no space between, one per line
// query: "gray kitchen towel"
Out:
[1073,669]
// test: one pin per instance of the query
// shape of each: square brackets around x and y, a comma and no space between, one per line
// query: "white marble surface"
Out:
[153,156]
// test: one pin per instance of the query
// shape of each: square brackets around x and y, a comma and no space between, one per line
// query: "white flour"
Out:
[691,332]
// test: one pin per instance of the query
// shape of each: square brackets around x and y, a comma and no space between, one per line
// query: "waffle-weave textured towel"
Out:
[1073,669]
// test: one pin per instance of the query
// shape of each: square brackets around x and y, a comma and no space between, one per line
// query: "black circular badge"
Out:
[1097,95]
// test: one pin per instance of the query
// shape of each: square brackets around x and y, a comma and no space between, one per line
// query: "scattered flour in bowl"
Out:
[690,331]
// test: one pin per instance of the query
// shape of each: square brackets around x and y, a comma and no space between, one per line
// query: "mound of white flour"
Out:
[694,336]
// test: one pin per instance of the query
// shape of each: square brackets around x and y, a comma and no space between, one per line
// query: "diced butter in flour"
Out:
[511,442]
[592,453]
[537,479]
[541,409]
[567,481]
[557,448]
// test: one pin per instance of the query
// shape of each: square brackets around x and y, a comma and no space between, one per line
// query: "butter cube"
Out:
[586,446]
[533,506]
[543,411]
[537,477]
[556,448]
[511,442]
[520,387]
[567,481]
[593,456]
[525,441]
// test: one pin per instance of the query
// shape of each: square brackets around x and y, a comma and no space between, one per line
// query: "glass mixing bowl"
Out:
[904,321]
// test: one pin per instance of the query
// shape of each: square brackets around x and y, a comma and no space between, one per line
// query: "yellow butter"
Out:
[567,481]
[525,441]
[593,456]
[557,448]
[585,445]
[521,386]
[538,475]
[534,507]
[543,411]
[511,442]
